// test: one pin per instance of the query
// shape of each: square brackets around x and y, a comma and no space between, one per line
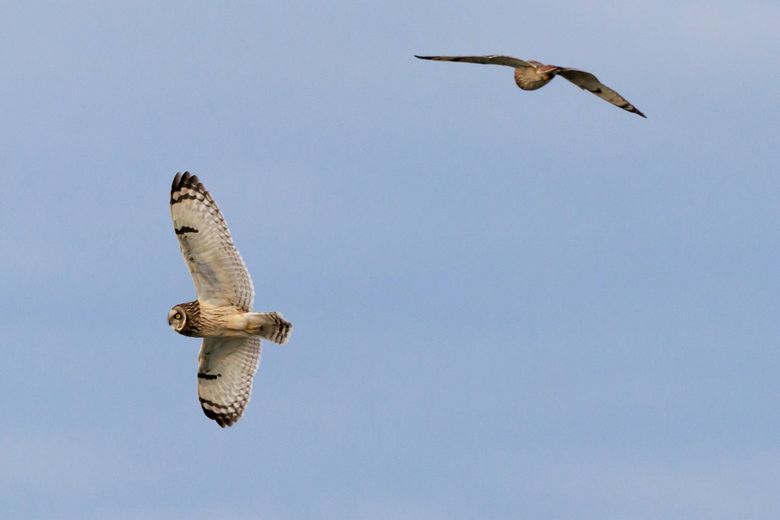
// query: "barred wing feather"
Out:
[226,369]
[219,273]
[589,82]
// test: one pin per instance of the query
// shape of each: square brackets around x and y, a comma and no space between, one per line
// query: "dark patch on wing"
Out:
[203,375]
[185,229]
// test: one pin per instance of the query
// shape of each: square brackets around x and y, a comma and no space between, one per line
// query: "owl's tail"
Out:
[269,325]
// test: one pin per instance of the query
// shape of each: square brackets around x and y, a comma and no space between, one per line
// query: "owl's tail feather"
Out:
[269,325]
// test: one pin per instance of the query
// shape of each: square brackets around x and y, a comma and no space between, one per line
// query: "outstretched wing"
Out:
[226,368]
[591,83]
[219,273]
[491,59]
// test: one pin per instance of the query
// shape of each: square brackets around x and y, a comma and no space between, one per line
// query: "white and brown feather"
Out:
[532,75]
[226,369]
[222,313]
[219,273]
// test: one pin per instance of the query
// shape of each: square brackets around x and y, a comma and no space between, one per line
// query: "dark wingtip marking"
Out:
[176,181]
[221,418]
[186,180]
[628,107]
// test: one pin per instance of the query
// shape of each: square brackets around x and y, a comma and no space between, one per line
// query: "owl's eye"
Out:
[177,315]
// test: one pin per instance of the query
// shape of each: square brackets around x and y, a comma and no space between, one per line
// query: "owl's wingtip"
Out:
[176,181]
[185,179]
[224,420]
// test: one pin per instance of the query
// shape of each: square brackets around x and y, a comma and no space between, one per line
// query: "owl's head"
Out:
[184,318]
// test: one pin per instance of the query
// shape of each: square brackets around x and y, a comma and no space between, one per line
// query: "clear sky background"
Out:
[506,304]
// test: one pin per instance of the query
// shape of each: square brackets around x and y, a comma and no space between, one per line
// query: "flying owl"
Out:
[222,313]
[532,75]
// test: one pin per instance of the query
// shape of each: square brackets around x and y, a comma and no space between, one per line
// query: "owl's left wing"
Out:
[491,59]
[226,369]
[589,82]
[219,273]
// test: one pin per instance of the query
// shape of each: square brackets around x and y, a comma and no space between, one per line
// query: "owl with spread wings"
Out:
[222,313]
[532,75]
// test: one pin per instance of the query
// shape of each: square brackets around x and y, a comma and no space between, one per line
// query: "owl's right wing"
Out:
[219,273]
[491,59]
[589,82]
[226,369]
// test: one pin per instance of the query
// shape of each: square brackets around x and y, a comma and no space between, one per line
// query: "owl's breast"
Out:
[531,79]
[222,321]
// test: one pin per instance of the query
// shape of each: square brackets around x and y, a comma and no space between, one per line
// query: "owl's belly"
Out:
[530,79]
[226,322]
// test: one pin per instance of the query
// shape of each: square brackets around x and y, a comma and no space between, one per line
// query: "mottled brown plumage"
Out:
[222,313]
[532,75]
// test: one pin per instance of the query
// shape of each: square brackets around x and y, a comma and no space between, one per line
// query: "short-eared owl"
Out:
[222,313]
[531,75]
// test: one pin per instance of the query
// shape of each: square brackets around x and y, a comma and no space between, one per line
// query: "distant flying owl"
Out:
[222,313]
[532,75]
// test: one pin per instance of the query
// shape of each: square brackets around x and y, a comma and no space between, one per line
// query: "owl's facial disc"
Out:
[177,318]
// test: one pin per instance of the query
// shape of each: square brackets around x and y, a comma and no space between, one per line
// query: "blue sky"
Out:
[506,304]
